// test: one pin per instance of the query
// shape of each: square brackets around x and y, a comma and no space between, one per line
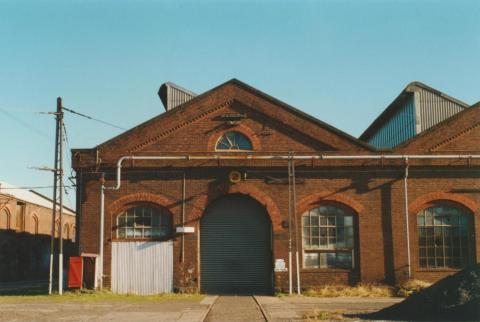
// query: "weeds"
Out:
[324,316]
[361,290]
[410,287]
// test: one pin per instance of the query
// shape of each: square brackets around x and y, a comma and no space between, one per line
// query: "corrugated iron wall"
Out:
[435,109]
[141,267]
[397,129]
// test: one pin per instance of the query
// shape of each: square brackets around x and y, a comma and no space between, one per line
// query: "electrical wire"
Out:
[93,119]
[28,188]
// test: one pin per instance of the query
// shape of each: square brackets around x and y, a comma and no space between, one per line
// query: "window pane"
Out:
[444,234]
[121,233]
[331,260]
[139,220]
[344,260]
[330,230]
[122,221]
[234,141]
[311,260]
[348,220]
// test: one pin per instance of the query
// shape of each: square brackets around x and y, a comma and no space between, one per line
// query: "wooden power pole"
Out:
[57,185]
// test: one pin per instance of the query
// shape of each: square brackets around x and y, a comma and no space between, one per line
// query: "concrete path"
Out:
[118,311]
[235,309]
[294,308]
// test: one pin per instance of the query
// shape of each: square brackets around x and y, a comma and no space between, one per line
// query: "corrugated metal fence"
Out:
[141,267]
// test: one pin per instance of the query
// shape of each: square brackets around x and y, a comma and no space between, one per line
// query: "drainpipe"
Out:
[183,216]
[102,222]
[290,286]
[297,240]
[405,188]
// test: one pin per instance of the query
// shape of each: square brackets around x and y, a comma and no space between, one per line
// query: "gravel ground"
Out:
[235,309]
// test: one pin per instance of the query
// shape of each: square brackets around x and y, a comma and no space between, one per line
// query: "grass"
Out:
[404,289]
[410,287]
[324,316]
[91,296]
[361,290]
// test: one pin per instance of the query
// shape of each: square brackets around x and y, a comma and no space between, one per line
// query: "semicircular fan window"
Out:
[233,141]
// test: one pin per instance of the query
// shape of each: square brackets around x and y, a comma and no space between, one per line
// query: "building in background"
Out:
[25,230]
[202,197]
[416,109]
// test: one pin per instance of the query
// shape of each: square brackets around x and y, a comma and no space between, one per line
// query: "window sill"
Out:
[326,270]
[437,270]
[141,239]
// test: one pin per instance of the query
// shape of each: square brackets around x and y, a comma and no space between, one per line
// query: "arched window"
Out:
[328,238]
[74,228]
[66,232]
[35,224]
[444,237]
[4,219]
[144,222]
[234,141]
[57,228]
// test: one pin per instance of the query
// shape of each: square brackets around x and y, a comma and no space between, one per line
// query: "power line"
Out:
[28,188]
[93,119]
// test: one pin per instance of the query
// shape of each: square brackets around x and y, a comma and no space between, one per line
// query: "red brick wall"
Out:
[372,189]
[378,202]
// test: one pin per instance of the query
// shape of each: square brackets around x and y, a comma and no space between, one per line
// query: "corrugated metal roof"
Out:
[399,100]
[173,95]
[30,196]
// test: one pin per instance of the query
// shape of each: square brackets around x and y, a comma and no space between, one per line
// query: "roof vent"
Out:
[173,95]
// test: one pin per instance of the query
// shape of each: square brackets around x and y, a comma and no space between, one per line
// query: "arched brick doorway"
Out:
[236,247]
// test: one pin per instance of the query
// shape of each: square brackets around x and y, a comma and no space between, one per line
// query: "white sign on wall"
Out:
[280,265]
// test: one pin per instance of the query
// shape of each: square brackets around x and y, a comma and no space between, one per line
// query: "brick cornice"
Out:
[454,137]
[178,126]
[422,201]
[328,196]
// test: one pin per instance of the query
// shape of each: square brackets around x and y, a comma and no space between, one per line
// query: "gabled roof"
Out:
[30,196]
[397,103]
[181,108]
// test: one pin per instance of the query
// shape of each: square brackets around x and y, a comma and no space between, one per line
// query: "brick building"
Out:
[224,190]
[25,230]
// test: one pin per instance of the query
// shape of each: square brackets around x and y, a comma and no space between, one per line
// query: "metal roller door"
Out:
[142,267]
[235,247]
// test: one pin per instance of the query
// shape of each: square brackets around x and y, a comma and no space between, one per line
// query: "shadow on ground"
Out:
[454,298]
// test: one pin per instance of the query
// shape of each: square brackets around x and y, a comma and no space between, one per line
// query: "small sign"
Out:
[280,265]
[185,230]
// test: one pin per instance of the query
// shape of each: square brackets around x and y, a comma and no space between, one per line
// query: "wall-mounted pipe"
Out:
[407,231]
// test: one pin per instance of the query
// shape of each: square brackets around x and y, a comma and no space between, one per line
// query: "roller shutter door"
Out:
[235,247]
[142,267]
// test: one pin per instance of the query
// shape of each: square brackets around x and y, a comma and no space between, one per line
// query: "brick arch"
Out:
[121,204]
[422,201]
[35,223]
[125,202]
[5,212]
[314,200]
[241,128]
[201,202]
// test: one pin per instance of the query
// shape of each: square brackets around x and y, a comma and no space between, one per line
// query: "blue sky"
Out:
[341,61]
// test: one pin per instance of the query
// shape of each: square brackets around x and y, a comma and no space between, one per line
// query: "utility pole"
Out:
[57,181]
[60,173]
